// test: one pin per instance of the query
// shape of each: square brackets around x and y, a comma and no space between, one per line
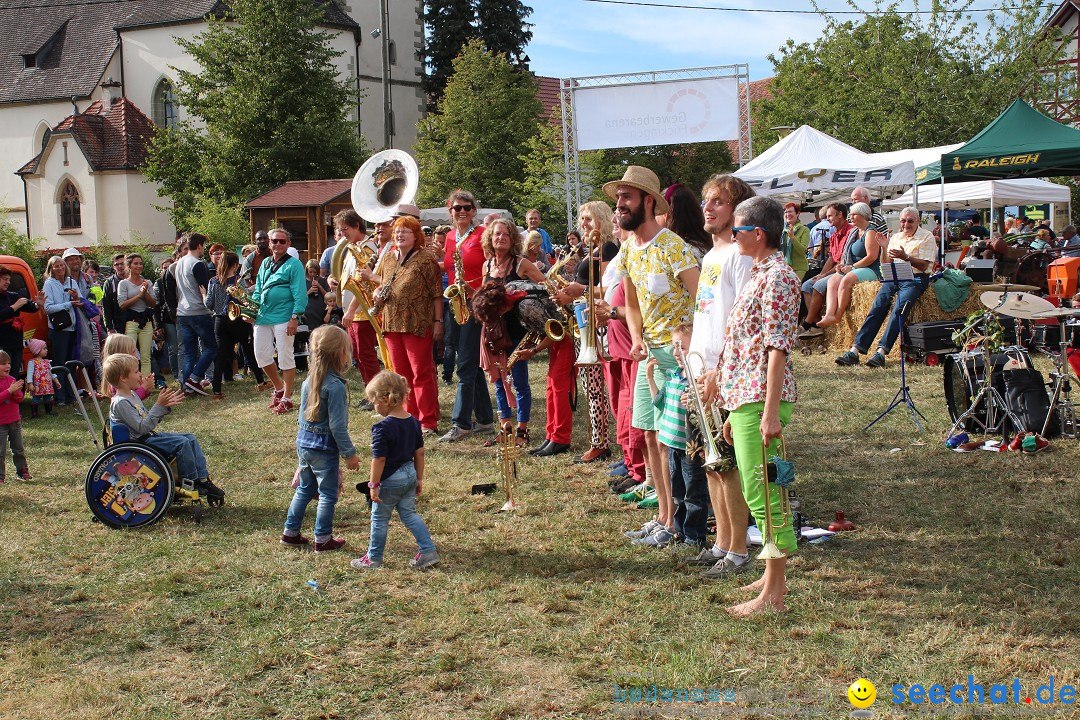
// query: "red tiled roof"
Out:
[548,94]
[759,90]
[115,138]
[302,193]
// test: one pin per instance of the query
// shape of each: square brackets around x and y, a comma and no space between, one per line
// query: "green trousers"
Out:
[746,432]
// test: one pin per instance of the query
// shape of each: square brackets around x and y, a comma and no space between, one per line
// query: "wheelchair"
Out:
[130,484]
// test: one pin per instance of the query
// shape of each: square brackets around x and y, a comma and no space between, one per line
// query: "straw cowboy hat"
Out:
[643,179]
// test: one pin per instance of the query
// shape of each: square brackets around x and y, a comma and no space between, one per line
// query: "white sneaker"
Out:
[644,531]
[238,377]
[662,537]
[456,433]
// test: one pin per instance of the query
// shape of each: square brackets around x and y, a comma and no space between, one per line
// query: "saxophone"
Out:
[240,303]
[457,293]
[554,281]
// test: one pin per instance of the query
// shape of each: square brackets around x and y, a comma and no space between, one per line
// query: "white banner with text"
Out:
[667,113]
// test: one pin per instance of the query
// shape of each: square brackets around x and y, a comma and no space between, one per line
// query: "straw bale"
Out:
[840,336]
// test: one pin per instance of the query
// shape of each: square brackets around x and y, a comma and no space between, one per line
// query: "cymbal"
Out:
[1010,287]
[1016,304]
[1057,313]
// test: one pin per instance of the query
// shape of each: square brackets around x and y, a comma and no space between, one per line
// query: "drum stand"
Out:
[903,395]
[1060,399]
[989,396]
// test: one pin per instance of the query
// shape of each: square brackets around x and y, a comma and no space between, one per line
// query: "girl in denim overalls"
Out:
[323,437]
[397,472]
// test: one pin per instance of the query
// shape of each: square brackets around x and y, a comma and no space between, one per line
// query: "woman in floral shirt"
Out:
[756,379]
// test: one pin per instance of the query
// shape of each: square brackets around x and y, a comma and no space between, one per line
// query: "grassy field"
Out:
[961,564]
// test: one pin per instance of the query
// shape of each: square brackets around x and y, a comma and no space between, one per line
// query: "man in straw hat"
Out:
[660,277]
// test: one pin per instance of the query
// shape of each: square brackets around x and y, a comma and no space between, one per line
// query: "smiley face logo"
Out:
[862,693]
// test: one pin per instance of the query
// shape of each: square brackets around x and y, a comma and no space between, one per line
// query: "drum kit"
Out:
[974,378]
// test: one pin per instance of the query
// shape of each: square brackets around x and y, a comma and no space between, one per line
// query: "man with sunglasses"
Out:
[472,391]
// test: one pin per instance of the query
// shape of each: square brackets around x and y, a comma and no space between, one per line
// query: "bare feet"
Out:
[757,606]
[827,321]
[755,586]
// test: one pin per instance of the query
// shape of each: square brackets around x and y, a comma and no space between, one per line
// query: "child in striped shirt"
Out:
[689,486]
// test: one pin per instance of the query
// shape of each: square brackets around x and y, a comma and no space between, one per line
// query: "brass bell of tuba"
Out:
[388,179]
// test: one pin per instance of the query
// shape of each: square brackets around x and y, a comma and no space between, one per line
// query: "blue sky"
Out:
[574,38]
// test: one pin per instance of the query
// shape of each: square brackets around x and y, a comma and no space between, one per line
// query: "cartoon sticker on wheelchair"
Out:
[129,485]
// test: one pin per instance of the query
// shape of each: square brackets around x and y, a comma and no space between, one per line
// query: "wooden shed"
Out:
[306,208]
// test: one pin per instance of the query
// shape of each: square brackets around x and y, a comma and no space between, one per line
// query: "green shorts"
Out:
[646,414]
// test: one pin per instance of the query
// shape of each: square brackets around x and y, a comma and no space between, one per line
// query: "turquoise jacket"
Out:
[280,290]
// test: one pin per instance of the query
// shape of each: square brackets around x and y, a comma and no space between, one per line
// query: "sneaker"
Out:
[210,490]
[624,485]
[619,471]
[661,537]
[238,377]
[24,474]
[366,563]
[684,550]
[644,531]
[811,332]
[877,360]
[456,433]
[194,388]
[334,543]
[725,567]
[296,541]
[848,359]
[650,501]
[424,560]
[706,557]
[1032,444]
[484,427]
[635,494]
[1017,442]
[275,398]
[285,406]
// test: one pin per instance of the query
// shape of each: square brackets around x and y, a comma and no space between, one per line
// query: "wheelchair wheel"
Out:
[129,486]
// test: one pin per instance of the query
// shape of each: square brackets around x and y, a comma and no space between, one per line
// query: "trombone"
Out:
[769,550]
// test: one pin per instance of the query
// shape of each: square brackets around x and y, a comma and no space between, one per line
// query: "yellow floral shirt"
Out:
[654,269]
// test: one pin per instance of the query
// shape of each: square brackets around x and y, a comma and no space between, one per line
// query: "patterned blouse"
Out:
[765,315]
[410,307]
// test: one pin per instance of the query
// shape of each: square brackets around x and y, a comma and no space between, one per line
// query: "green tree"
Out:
[487,115]
[12,242]
[450,25]
[503,28]
[897,79]
[267,106]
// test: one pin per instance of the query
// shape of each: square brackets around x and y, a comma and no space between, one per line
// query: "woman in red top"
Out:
[472,390]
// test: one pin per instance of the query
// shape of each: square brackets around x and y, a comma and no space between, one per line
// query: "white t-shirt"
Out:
[724,272]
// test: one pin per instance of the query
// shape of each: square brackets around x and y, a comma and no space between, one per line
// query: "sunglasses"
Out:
[462,208]
[741,228]
[279,241]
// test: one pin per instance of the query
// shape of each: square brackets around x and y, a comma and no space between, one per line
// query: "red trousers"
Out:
[621,375]
[560,419]
[411,356]
[364,341]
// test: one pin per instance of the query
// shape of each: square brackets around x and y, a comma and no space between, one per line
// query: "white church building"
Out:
[84,85]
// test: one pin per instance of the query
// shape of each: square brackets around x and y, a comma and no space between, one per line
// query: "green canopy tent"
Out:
[1020,142]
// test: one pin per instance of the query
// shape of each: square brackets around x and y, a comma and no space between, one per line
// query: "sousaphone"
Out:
[388,179]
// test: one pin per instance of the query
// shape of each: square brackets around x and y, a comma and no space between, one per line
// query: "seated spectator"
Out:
[911,244]
[861,263]
[815,288]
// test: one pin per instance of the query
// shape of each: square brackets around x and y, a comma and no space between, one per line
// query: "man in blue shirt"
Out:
[532,222]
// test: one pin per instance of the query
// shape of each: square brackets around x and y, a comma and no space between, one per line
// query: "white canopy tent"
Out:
[983,193]
[810,163]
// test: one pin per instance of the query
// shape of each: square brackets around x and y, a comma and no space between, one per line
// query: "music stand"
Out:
[894,272]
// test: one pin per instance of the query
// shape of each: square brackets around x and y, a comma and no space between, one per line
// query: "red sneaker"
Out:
[24,473]
[1036,443]
[296,541]
[275,398]
[330,545]
[1017,442]
[284,406]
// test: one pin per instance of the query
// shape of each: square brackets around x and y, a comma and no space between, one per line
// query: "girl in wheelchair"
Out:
[122,373]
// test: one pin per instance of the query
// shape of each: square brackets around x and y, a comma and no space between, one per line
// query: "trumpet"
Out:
[457,292]
[363,292]
[711,427]
[769,550]
[589,354]
[507,455]
[240,303]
